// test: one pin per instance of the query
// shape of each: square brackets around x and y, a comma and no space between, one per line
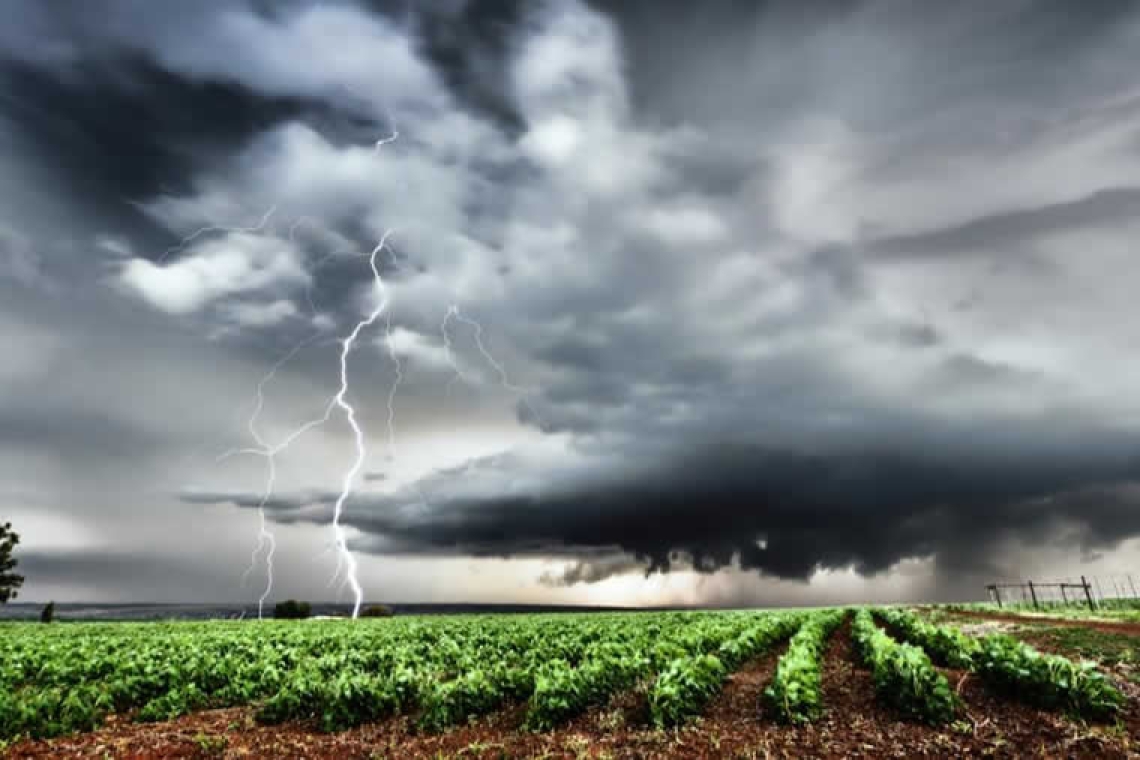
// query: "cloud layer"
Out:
[789,290]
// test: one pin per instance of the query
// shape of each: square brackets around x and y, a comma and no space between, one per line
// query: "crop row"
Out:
[1013,667]
[903,674]
[687,683]
[795,692]
[340,674]
[68,678]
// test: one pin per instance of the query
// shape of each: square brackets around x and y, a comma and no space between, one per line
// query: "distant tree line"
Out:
[291,609]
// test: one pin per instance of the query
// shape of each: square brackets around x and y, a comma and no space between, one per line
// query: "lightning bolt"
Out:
[346,561]
[266,541]
[181,245]
[346,556]
[453,312]
[265,538]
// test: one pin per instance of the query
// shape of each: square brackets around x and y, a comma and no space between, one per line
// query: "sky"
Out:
[730,303]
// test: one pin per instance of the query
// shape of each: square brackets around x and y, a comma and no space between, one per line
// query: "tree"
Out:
[47,614]
[9,581]
[291,609]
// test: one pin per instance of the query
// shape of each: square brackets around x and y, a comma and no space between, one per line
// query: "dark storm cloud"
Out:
[782,513]
[121,575]
[468,42]
[82,434]
[719,257]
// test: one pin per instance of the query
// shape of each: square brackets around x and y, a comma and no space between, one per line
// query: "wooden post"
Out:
[997,595]
[1064,596]
[1033,594]
[1088,596]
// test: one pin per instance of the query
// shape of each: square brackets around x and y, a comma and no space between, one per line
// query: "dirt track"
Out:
[1131,629]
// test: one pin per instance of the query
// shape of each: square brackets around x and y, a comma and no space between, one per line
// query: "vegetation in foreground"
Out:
[448,670]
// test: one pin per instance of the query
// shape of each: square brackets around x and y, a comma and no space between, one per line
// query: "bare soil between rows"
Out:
[735,724]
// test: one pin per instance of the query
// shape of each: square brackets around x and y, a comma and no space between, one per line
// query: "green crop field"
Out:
[443,672]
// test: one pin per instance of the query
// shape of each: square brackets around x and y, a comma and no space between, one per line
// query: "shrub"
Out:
[47,614]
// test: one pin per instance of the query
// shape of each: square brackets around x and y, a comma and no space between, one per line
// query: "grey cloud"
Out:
[722,280]
[592,571]
[993,234]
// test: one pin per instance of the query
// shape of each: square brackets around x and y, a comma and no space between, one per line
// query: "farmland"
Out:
[813,682]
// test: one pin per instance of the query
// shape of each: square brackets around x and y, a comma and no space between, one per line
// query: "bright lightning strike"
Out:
[346,562]
[265,538]
[346,556]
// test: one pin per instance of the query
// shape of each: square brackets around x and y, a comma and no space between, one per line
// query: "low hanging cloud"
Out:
[786,514]
[238,264]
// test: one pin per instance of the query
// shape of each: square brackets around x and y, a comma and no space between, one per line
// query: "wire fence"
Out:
[1103,591]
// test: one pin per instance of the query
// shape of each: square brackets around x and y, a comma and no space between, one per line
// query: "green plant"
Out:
[903,674]
[795,691]
[55,680]
[475,692]
[946,645]
[1016,668]
[1046,680]
[211,745]
[684,687]
[561,691]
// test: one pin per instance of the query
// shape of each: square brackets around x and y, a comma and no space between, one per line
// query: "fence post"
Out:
[1033,594]
[1088,595]
[1064,596]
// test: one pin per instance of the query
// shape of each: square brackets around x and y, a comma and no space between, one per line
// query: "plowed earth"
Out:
[735,724]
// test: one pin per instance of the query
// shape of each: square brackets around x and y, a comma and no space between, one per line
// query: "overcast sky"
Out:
[723,303]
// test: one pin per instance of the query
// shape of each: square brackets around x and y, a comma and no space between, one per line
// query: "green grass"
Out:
[1108,649]
[1119,610]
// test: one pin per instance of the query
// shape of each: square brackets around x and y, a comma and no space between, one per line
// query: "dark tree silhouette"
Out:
[9,580]
[291,609]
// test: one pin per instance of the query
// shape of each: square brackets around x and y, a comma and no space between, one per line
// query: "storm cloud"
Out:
[766,292]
